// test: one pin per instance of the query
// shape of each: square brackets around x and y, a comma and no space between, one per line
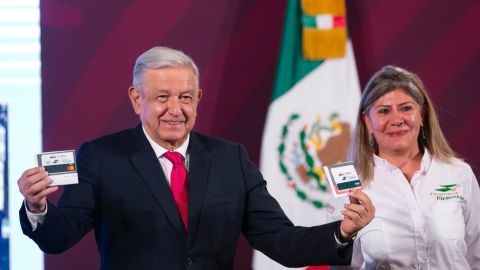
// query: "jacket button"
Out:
[188,260]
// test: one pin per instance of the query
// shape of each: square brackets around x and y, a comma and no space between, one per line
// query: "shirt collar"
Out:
[426,161]
[159,150]
[378,161]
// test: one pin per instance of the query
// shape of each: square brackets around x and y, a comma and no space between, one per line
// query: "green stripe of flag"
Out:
[309,21]
[291,65]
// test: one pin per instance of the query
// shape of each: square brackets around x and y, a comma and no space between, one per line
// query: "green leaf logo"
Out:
[448,188]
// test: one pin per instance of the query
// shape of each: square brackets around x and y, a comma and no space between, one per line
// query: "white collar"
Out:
[159,150]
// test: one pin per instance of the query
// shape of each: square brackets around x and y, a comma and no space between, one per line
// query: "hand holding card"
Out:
[60,165]
[343,178]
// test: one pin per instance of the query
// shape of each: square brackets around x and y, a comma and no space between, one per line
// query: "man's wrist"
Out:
[34,210]
[35,219]
[341,239]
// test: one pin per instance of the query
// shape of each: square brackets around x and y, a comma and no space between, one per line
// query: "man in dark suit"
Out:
[149,212]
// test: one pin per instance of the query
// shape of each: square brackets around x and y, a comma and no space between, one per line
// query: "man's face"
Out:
[166,101]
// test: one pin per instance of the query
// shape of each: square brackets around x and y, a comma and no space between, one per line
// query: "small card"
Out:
[60,165]
[342,178]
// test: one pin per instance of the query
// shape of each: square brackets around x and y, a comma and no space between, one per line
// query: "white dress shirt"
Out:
[167,166]
[433,222]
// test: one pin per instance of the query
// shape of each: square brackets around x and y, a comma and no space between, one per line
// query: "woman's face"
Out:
[395,120]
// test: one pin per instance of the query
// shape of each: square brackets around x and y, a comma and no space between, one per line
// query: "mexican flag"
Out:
[312,112]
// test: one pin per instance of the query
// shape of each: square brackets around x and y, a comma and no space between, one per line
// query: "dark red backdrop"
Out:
[89,47]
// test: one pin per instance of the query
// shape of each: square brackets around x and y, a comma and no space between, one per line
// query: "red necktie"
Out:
[179,184]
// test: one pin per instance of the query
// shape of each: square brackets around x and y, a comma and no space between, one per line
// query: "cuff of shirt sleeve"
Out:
[340,241]
[33,218]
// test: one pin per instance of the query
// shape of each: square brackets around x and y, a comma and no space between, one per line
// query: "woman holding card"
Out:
[426,199]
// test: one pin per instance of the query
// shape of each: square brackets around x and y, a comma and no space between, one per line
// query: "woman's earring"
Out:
[422,132]
[371,139]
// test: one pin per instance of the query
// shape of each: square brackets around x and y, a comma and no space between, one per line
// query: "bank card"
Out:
[342,178]
[60,165]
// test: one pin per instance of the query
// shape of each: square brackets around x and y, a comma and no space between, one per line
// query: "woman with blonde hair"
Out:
[426,198]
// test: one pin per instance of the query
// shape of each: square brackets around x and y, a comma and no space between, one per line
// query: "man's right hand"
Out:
[33,185]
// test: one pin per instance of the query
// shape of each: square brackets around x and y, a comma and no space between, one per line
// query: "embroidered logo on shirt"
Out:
[447,192]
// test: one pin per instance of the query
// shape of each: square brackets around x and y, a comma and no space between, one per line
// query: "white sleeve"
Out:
[472,224]
[357,256]
[35,219]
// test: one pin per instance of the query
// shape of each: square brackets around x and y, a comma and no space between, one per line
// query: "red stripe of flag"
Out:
[339,21]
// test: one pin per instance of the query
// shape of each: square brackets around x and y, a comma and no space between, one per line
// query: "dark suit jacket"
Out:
[123,194]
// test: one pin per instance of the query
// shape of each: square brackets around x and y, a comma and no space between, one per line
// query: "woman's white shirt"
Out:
[433,222]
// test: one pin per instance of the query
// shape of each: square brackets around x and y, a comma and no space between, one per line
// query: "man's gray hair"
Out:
[162,57]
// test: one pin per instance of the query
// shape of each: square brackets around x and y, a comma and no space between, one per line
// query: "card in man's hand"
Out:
[342,178]
[60,165]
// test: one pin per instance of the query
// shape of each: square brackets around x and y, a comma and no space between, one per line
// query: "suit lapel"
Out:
[199,169]
[147,164]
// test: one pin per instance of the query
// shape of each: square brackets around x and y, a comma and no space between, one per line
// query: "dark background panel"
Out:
[89,47]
